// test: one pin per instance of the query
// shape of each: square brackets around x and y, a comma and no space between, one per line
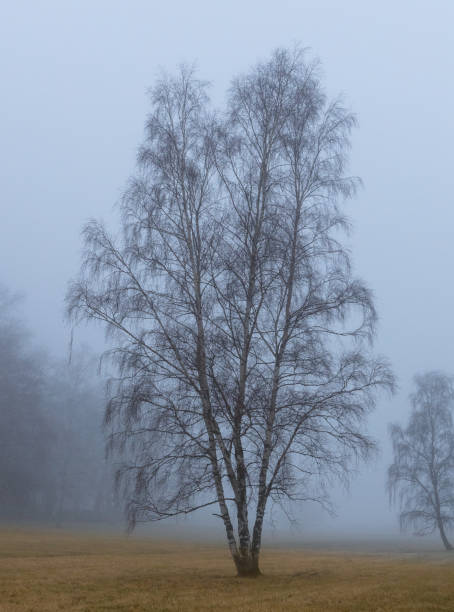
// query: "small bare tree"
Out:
[421,479]
[240,334]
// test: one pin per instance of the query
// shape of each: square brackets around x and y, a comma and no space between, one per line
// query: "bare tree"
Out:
[82,478]
[25,433]
[240,335]
[421,479]
[51,442]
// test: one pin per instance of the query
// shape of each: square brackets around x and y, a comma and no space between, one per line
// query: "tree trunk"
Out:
[444,539]
[247,565]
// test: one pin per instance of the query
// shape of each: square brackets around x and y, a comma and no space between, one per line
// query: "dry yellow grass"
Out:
[54,570]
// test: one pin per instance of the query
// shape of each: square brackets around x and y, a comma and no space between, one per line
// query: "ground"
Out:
[50,570]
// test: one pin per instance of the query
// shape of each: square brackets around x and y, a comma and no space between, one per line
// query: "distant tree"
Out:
[421,479]
[83,480]
[239,332]
[52,464]
[26,436]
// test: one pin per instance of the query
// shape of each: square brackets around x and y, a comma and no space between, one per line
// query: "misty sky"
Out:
[74,76]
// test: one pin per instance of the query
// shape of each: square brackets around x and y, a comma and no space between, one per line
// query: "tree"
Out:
[51,441]
[421,479]
[241,336]
[25,433]
[82,479]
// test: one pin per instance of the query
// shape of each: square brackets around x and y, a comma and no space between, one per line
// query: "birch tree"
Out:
[242,339]
[421,478]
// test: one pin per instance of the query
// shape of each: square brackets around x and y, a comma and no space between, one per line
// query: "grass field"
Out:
[62,570]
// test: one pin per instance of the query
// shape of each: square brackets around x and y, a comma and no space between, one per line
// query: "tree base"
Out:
[247,567]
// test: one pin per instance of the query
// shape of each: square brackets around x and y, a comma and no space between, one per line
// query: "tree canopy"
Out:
[241,336]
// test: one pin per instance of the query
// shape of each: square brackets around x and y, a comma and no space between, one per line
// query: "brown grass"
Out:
[55,570]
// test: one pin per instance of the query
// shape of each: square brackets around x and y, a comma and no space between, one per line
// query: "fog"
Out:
[74,80]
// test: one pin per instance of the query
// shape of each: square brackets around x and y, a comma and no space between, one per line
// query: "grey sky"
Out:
[74,76]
